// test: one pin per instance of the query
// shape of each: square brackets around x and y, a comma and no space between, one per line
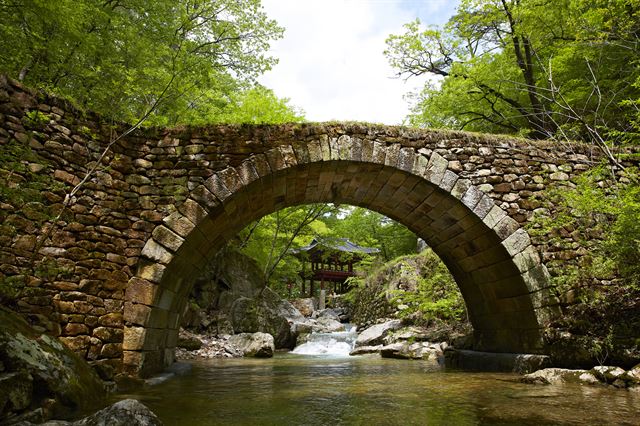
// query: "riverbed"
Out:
[368,390]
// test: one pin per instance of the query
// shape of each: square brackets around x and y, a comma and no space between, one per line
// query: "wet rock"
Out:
[607,374]
[550,376]
[128,412]
[375,334]
[632,376]
[259,345]
[417,350]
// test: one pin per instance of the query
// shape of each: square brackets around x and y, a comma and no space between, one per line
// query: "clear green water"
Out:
[303,390]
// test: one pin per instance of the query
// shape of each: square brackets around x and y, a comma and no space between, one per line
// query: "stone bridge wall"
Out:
[77,278]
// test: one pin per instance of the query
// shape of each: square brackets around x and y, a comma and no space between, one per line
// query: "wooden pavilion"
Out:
[329,261]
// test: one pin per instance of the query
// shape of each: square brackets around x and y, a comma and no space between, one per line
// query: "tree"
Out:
[260,105]
[118,56]
[270,239]
[371,229]
[541,68]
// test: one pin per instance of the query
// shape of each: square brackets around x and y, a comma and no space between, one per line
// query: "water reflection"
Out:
[294,390]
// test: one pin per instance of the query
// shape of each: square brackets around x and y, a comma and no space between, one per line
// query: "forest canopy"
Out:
[552,69]
[190,61]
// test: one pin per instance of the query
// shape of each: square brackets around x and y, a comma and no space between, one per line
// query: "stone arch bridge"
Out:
[119,264]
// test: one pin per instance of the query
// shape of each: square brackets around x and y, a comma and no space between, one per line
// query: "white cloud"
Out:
[331,62]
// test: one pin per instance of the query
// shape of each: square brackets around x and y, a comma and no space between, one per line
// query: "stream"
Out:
[319,384]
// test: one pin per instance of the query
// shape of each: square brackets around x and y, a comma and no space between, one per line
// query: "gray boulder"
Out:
[550,376]
[128,412]
[416,350]
[267,313]
[375,334]
[259,345]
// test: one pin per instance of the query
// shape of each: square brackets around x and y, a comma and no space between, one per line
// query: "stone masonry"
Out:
[110,274]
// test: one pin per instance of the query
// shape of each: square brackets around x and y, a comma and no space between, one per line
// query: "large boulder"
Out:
[550,376]
[125,412]
[40,377]
[375,334]
[259,345]
[306,306]
[267,313]
[129,412]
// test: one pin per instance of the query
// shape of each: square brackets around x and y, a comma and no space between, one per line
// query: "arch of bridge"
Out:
[490,255]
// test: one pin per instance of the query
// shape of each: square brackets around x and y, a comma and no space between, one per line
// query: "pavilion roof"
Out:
[335,244]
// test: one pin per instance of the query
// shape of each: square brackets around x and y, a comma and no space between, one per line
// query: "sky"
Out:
[331,63]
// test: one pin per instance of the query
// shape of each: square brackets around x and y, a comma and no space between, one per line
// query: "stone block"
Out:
[136,314]
[517,242]
[436,168]
[156,252]
[344,147]
[472,197]
[193,211]
[134,338]
[449,180]
[167,238]
[378,153]
[179,224]
[152,272]
[495,215]
[140,290]
[406,159]
[247,172]
[216,186]
[315,151]
[505,227]
[112,319]
[392,155]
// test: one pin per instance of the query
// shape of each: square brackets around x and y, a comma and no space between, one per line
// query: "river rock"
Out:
[608,374]
[327,325]
[128,412]
[259,345]
[364,350]
[375,334]
[548,376]
[306,306]
[416,350]
[632,376]
[39,371]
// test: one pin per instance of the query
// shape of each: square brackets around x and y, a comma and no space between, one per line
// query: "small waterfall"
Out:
[329,344]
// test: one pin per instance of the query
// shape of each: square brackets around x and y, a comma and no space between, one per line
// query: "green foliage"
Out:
[437,296]
[260,105]
[120,57]
[562,69]
[371,229]
[419,286]
[269,241]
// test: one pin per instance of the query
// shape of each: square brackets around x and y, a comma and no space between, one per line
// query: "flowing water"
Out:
[321,389]
[329,344]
